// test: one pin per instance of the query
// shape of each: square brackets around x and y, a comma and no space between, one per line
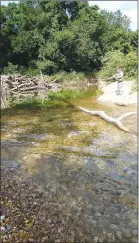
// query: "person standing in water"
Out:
[119,77]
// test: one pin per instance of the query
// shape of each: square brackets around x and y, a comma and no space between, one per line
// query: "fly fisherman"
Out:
[119,77]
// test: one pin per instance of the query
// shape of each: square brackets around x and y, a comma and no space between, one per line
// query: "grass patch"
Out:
[56,99]
[70,94]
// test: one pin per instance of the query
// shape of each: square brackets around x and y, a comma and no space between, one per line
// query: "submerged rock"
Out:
[76,133]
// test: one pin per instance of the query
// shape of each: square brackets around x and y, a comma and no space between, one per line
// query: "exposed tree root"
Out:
[115,121]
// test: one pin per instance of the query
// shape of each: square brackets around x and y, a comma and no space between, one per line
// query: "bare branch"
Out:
[126,114]
[115,121]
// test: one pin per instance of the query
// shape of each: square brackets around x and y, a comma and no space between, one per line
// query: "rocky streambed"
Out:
[67,176]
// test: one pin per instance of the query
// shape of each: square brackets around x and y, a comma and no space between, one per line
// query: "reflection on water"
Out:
[79,161]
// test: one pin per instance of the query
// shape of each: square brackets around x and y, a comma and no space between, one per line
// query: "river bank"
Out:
[22,89]
[128,97]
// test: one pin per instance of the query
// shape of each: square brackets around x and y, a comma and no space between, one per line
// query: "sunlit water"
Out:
[79,161]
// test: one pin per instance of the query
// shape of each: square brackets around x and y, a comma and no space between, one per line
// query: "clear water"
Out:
[79,161]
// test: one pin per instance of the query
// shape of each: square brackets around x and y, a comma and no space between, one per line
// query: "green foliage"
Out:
[135,86]
[68,77]
[29,71]
[128,63]
[56,36]
[117,20]
[11,69]
[117,34]
[134,39]
[131,64]
[56,100]
[65,95]
[47,66]
[111,60]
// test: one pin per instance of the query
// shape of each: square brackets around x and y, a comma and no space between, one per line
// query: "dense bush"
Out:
[110,61]
[11,69]
[128,63]
[67,77]
[131,64]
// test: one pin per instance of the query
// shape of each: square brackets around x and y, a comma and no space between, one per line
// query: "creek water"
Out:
[80,162]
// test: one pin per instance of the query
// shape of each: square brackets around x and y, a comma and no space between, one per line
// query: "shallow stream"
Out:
[79,162]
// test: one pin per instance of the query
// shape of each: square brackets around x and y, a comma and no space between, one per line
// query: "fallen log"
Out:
[115,121]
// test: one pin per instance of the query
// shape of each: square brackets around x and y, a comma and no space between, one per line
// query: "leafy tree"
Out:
[117,19]
[134,39]
[56,36]
[117,35]
[8,28]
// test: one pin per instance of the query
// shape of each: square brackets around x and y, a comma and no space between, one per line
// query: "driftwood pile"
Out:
[19,88]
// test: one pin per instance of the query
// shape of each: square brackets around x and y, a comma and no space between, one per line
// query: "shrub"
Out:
[128,64]
[111,60]
[135,86]
[131,64]
[32,72]
[11,69]
[67,77]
